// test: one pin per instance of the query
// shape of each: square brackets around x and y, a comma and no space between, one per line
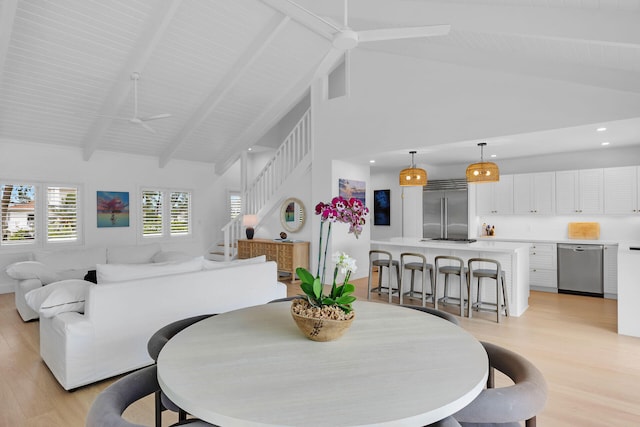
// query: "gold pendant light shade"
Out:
[413,176]
[483,171]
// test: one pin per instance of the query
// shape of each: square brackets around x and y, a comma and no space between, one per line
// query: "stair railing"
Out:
[294,149]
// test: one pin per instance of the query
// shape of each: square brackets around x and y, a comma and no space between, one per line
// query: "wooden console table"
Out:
[288,255]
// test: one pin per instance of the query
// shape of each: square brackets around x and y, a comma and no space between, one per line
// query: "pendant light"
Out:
[413,176]
[483,171]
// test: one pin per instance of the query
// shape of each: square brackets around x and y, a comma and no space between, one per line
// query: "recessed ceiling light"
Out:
[605,143]
[601,129]
[372,161]
[494,156]
[250,149]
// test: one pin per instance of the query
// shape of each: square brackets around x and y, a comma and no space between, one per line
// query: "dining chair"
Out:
[154,345]
[442,314]
[108,407]
[381,259]
[446,422]
[496,273]
[423,267]
[507,406]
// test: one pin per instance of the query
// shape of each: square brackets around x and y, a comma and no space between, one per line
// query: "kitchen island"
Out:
[513,257]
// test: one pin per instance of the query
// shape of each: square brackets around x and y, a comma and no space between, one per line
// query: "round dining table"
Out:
[252,367]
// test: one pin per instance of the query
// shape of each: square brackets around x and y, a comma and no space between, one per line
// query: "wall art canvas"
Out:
[381,207]
[113,209]
[350,188]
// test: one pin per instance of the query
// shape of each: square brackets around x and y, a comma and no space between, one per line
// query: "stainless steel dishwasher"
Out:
[580,269]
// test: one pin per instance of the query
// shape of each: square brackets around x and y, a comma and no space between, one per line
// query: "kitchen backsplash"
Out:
[612,228]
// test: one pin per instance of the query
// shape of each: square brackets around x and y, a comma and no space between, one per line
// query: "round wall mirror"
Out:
[292,214]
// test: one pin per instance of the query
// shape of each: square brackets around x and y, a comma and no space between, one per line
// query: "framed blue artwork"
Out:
[381,207]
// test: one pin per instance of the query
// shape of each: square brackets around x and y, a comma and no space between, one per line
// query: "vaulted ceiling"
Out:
[228,70]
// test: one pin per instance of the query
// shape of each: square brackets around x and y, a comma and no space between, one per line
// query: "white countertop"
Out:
[574,241]
[480,245]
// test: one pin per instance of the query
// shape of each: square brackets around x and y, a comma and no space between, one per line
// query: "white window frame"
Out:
[41,211]
[165,214]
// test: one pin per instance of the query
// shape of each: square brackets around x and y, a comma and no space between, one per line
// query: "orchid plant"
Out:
[352,212]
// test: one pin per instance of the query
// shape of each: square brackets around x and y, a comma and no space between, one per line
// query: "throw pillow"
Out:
[59,297]
[136,254]
[91,276]
[171,256]
[108,273]
[212,265]
[32,270]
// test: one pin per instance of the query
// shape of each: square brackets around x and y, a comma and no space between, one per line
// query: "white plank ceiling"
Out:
[221,67]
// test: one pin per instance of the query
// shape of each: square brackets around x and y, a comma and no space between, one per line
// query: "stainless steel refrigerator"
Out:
[445,210]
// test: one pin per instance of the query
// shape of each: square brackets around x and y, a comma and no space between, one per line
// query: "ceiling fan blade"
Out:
[113,117]
[403,33]
[147,127]
[155,117]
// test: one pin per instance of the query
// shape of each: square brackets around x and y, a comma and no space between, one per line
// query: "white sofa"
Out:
[111,336]
[48,267]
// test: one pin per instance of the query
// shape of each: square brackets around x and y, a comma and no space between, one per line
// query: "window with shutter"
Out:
[18,213]
[235,204]
[62,214]
[180,213]
[152,213]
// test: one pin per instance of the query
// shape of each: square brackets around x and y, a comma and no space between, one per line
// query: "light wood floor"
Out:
[593,373]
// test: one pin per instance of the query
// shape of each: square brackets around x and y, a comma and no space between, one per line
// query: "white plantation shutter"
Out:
[17,213]
[62,214]
[235,204]
[180,213]
[152,213]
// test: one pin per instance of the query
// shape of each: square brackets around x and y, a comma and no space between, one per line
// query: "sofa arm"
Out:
[20,290]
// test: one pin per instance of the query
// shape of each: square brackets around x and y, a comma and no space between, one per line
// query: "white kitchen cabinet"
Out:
[534,193]
[495,198]
[610,267]
[580,192]
[622,190]
[543,267]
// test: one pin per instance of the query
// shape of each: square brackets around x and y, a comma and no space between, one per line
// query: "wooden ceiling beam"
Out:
[162,16]
[262,40]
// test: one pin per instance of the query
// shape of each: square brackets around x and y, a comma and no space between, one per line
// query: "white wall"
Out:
[397,101]
[387,181]
[108,171]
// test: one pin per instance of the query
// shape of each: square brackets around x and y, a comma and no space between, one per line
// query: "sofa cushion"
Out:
[109,273]
[73,259]
[212,265]
[135,254]
[171,256]
[59,297]
[32,270]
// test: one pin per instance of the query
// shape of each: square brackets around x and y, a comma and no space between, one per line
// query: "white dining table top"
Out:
[253,367]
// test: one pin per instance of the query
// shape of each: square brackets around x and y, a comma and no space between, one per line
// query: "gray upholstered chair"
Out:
[507,406]
[442,314]
[154,345]
[447,422]
[109,405]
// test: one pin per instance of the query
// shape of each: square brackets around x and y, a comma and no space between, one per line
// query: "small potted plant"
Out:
[320,316]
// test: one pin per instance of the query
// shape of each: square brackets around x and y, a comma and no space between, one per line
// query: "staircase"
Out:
[263,195]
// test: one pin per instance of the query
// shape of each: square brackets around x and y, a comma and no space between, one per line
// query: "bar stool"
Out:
[380,259]
[422,267]
[457,270]
[502,297]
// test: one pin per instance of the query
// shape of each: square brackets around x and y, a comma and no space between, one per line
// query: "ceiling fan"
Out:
[345,38]
[135,76]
